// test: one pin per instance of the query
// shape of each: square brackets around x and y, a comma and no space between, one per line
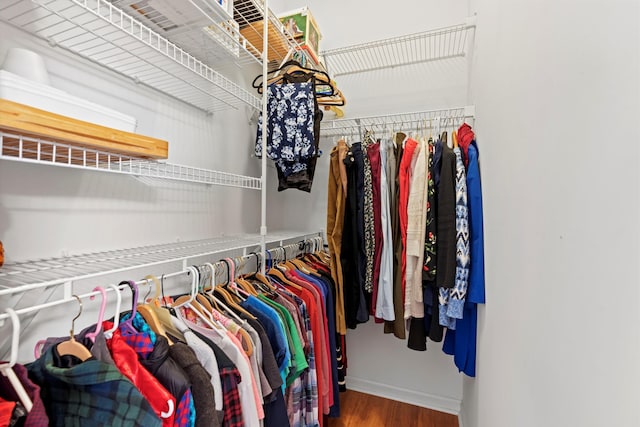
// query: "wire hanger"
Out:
[7,367]
[72,347]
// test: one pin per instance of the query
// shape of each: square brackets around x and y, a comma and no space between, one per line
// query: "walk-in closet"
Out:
[273,213]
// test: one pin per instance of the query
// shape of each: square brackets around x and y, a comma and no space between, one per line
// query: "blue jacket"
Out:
[461,343]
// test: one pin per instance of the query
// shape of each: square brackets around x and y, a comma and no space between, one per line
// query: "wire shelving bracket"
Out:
[401,121]
[40,151]
[104,34]
[433,45]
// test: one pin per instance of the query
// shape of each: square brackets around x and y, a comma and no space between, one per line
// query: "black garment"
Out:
[352,250]
[304,179]
[165,369]
[275,412]
[275,408]
[334,411]
[201,388]
[417,334]
[446,217]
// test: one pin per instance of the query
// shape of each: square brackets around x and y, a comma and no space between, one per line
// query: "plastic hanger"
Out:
[7,368]
[92,335]
[116,318]
[183,300]
[72,347]
[292,66]
[128,324]
[231,283]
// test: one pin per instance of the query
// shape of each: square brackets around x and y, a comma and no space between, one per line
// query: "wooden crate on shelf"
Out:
[29,121]
[278,45]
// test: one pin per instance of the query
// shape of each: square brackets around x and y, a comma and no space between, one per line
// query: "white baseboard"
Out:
[460,420]
[425,400]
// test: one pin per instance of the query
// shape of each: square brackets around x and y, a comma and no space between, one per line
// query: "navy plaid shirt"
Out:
[88,394]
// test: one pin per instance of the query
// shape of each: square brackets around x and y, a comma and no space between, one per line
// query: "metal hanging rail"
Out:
[433,45]
[402,121]
[38,151]
[104,34]
[20,277]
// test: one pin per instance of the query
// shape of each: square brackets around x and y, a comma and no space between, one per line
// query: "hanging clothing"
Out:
[126,360]
[153,354]
[405,176]
[83,393]
[373,153]
[461,343]
[201,388]
[207,359]
[336,198]
[291,140]
[384,296]
[37,416]
[369,226]
[230,379]
[458,293]
[353,249]
[303,180]
[397,327]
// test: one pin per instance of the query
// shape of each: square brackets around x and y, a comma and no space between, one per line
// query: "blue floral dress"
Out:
[290,137]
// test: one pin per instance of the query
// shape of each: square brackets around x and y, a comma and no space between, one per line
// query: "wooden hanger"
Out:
[149,314]
[454,136]
[163,315]
[72,347]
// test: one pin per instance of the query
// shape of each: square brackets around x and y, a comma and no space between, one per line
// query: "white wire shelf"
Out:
[395,122]
[433,45]
[20,277]
[104,34]
[39,151]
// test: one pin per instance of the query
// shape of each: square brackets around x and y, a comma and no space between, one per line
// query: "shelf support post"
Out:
[265,127]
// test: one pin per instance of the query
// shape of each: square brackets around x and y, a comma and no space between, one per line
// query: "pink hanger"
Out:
[231,265]
[92,335]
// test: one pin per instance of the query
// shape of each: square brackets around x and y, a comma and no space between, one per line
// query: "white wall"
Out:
[556,85]
[381,364]
[47,211]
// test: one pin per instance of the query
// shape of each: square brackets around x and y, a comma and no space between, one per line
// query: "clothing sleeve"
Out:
[476,292]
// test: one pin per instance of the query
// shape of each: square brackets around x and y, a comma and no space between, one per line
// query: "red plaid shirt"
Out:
[230,377]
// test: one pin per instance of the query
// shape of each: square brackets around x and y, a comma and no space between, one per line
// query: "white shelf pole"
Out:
[265,128]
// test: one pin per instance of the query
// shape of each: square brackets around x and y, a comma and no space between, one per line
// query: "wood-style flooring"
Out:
[364,410]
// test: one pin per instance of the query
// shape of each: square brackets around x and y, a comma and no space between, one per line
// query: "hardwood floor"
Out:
[364,410]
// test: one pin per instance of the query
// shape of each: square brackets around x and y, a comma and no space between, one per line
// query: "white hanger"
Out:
[194,286]
[218,301]
[7,368]
[116,319]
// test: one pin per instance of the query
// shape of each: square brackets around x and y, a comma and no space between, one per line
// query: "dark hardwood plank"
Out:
[365,410]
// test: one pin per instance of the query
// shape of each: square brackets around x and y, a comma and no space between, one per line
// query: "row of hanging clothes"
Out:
[405,234]
[256,350]
[295,95]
